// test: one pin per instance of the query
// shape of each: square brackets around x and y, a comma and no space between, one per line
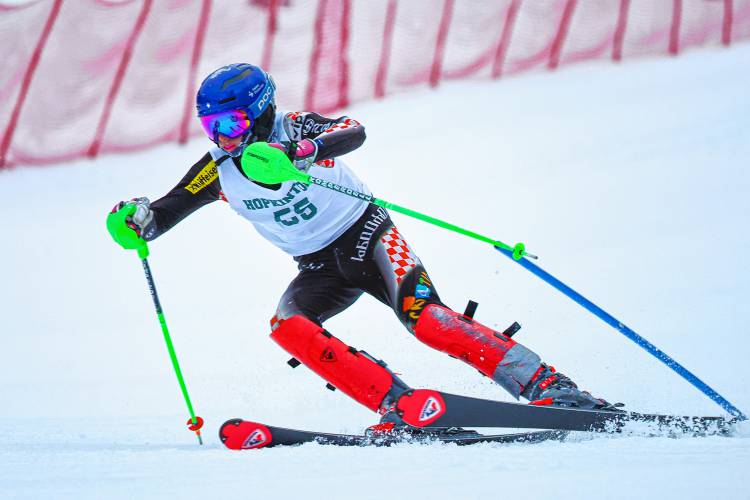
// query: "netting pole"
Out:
[271,27]
[195,58]
[343,89]
[27,78]
[505,37]
[437,60]
[122,68]
[562,33]
[622,24]
[726,27]
[385,49]
[674,31]
[315,55]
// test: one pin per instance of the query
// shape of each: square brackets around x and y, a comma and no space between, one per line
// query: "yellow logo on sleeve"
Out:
[206,176]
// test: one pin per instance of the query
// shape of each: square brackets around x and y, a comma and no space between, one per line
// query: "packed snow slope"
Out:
[630,182]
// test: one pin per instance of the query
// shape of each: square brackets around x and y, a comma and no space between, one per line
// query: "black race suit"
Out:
[369,257]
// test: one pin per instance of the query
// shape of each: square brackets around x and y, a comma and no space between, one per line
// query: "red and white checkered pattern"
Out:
[401,257]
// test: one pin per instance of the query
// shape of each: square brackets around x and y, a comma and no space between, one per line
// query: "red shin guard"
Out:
[505,361]
[350,371]
[465,339]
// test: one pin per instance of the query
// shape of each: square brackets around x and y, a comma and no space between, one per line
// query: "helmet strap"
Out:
[263,126]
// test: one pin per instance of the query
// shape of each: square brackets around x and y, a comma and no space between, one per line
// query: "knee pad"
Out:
[355,373]
[502,359]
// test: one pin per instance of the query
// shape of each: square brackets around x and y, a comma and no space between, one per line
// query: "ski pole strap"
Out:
[168,341]
[616,324]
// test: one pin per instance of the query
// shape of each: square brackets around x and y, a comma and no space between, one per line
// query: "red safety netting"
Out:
[84,77]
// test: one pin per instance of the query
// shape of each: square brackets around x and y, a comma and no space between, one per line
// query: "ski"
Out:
[426,408]
[238,434]
[439,417]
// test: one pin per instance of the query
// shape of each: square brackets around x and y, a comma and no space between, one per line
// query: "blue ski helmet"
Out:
[237,100]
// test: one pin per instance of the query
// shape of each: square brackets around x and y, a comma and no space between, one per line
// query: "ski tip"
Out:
[238,434]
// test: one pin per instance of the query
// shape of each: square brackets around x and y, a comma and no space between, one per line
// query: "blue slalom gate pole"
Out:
[618,325]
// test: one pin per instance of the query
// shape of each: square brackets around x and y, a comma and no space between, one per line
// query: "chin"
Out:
[234,152]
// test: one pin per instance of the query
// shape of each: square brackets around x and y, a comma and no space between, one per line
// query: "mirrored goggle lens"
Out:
[229,123]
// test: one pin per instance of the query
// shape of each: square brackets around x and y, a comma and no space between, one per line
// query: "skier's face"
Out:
[229,144]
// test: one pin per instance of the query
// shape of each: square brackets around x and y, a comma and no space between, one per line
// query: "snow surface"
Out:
[630,182]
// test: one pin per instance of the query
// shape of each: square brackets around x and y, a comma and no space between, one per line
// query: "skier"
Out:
[343,246]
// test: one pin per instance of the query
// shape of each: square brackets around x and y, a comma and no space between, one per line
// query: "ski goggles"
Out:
[229,123]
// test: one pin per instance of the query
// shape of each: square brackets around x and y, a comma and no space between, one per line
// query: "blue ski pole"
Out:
[618,325]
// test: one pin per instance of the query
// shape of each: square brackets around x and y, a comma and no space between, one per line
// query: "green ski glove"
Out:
[124,230]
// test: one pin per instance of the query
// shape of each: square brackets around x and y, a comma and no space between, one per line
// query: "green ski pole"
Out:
[194,423]
[270,165]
